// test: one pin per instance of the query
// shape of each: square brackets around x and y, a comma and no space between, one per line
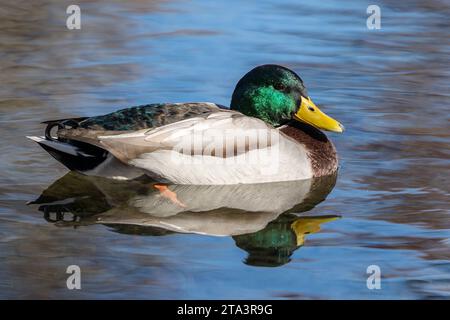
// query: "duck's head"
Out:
[276,95]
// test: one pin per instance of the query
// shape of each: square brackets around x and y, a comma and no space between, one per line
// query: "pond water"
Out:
[388,205]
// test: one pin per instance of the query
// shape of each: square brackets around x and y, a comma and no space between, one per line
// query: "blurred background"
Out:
[389,87]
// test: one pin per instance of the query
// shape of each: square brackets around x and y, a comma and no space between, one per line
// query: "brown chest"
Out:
[321,150]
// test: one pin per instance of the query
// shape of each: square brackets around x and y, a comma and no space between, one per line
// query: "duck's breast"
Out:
[320,150]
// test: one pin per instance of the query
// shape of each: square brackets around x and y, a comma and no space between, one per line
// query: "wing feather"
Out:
[219,134]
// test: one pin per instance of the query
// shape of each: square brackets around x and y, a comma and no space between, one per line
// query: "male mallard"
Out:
[270,134]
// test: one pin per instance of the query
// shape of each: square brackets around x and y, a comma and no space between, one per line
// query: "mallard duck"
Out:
[271,132]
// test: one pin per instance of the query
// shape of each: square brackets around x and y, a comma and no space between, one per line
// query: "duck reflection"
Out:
[262,218]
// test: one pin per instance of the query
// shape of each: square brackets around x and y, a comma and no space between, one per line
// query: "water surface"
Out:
[388,206]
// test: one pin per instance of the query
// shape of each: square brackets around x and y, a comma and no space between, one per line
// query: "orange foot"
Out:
[166,193]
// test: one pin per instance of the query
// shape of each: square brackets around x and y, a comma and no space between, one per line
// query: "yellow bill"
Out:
[311,114]
[304,226]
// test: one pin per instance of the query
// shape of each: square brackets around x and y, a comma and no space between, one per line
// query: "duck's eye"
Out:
[311,109]
[279,87]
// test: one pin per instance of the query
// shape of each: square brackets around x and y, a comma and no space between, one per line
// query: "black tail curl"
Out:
[84,156]
[61,124]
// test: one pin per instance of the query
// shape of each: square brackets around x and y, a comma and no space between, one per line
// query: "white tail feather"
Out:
[60,146]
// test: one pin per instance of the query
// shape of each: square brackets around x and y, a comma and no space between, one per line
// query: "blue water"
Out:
[389,87]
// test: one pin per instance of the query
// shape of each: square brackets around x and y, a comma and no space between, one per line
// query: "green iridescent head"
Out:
[269,92]
[276,95]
